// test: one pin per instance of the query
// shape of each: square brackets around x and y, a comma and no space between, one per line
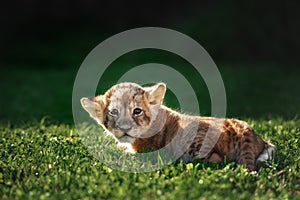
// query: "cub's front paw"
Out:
[127,147]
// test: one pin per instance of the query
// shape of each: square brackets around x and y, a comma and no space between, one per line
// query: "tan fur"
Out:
[157,126]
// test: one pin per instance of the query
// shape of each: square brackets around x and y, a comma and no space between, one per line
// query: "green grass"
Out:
[48,161]
[44,158]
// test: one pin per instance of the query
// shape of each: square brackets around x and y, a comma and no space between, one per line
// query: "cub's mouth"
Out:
[123,135]
[126,134]
[126,138]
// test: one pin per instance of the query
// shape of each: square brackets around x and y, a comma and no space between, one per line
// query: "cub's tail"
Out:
[267,154]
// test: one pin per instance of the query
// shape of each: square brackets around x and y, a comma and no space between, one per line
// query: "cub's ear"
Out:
[156,93]
[94,106]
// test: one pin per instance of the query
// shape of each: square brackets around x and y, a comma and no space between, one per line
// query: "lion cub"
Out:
[136,118]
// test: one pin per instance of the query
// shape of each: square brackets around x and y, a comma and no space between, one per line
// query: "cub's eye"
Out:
[137,111]
[114,112]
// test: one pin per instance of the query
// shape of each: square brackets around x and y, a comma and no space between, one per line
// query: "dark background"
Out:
[234,31]
[254,43]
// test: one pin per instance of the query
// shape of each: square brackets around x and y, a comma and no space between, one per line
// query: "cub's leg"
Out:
[250,146]
[247,158]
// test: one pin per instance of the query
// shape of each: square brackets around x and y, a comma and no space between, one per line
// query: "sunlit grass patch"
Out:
[49,161]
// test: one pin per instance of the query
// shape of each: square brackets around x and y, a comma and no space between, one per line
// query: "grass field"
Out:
[42,156]
[47,161]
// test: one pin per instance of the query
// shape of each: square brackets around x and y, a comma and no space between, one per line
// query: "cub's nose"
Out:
[125,125]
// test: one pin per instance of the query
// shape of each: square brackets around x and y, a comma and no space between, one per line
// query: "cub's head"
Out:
[126,109]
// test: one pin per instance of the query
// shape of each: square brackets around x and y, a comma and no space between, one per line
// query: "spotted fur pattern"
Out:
[136,118]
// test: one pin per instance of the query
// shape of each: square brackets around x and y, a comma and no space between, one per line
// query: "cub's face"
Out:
[126,109]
